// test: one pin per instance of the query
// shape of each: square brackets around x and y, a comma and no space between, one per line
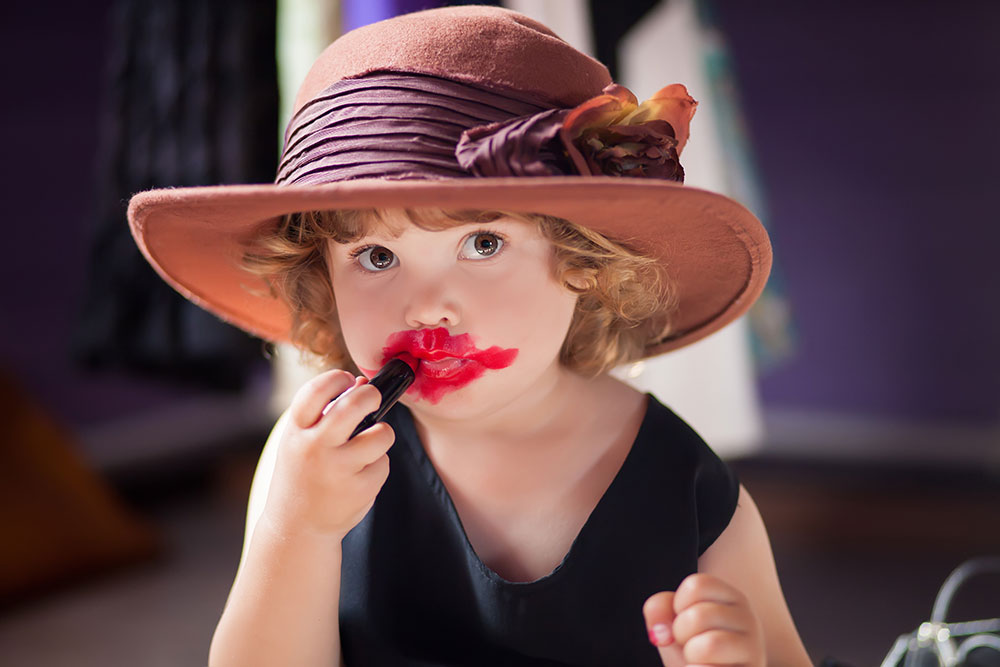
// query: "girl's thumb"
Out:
[659,614]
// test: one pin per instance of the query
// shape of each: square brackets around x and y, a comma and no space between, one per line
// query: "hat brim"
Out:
[713,249]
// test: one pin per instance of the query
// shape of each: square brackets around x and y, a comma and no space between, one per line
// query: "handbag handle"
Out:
[963,572]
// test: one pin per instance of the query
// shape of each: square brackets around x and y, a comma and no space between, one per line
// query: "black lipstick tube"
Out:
[392,381]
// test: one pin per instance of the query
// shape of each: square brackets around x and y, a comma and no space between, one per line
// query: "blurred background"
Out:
[859,401]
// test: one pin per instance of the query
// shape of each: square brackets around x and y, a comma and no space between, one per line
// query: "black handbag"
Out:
[941,643]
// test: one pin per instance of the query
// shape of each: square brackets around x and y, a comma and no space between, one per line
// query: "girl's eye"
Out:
[481,245]
[376,258]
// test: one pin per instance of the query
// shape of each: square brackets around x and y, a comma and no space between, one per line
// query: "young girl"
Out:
[463,190]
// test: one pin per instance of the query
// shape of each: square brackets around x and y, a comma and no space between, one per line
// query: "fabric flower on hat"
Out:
[610,135]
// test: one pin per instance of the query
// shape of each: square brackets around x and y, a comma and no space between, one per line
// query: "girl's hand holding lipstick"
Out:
[324,481]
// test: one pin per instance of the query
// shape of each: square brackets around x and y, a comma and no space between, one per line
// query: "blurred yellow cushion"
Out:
[59,520]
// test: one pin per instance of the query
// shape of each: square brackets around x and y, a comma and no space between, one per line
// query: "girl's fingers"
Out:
[659,610]
[706,616]
[347,411]
[312,397]
[715,623]
[717,647]
[705,588]
[367,447]
[376,472]
[659,614]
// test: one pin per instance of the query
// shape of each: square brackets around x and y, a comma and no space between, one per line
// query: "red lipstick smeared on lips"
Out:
[446,363]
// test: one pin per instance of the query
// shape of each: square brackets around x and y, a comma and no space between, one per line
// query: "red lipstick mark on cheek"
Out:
[446,363]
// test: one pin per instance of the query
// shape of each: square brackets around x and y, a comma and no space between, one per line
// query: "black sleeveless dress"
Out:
[414,592]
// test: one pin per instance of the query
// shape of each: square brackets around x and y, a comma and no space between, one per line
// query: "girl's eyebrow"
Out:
[379,232]
[384,233]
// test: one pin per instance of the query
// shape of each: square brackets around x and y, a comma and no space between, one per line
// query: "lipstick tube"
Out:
[392,381]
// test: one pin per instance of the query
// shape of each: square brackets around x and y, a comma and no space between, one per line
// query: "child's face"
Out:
[477,303]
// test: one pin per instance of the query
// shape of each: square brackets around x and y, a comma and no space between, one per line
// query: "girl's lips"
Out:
[443,362]
[443,368]
[437,344]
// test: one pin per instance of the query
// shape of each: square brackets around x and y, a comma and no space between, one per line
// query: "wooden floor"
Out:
[861,553]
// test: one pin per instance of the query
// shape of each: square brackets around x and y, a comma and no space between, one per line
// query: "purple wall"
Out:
[875,125]
[356,13]
[875,129]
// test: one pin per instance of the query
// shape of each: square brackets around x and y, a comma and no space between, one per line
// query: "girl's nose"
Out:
[432,305]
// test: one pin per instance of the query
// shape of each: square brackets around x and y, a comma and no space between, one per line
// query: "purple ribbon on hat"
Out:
[401,126]
[524,146]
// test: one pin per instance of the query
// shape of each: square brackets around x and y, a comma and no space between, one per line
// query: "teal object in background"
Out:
[771,325]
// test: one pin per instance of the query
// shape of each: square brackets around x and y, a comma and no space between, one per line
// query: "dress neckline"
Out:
[416,448]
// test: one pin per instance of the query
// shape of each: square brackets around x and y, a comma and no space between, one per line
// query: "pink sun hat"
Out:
[469,108]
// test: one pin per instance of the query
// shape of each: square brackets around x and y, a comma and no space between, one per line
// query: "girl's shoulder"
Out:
[672,453]
[655,448]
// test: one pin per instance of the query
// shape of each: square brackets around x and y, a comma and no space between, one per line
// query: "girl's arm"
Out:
[742,557]
[732,610]
[283,607]
[311,487]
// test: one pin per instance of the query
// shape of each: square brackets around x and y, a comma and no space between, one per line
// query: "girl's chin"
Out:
[454,402]
[437,400]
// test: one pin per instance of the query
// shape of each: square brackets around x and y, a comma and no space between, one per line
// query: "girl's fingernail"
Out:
[660,635]
[329,406]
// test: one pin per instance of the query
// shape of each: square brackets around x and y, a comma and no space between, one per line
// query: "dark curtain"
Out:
[191,98]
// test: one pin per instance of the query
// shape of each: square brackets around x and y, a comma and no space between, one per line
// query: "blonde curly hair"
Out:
[624,301]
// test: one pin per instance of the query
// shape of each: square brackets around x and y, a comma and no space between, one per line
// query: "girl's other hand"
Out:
[324,484]
[705,622]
